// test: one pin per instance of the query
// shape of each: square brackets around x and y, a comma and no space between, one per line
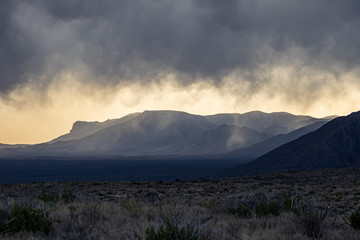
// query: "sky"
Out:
[68,60]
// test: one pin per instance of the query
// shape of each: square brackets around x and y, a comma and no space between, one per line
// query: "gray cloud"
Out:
[126,40]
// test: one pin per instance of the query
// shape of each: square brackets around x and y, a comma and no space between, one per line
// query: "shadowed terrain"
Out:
[336,144]
[286,205]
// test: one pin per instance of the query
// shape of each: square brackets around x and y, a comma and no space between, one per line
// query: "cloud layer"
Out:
[114,41]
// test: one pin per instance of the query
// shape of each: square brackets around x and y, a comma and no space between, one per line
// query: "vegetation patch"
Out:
[241,211]
[267,209]
[174,230]
[186,210]
[26,219]
[67,197]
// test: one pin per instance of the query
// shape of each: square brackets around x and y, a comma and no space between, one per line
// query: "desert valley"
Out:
[174,175]
[180,120]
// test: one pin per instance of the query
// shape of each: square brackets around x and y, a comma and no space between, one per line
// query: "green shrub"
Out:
[171,231]
[67,197]
[26,219]
[288,204]
[266,209]
[241,211]
[134,207]
[209,203]
[3,217]
[49,197]
[354,219]
[3,227]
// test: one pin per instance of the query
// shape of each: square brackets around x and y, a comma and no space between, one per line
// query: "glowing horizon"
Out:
[55,115]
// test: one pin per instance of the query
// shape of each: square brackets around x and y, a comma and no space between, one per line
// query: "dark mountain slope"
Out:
[334,145]
[259,149]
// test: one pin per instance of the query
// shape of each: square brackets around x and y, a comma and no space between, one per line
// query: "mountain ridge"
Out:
[335,144]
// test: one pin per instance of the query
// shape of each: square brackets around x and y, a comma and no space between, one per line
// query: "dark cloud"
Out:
[15,51]
[127,40]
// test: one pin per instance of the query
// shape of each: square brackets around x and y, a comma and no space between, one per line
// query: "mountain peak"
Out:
[78,125]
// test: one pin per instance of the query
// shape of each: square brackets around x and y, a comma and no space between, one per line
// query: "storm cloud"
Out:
[68,60]
[110,42]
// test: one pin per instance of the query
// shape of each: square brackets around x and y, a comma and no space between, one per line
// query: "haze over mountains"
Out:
[155,133]
[259,149]
[269,123]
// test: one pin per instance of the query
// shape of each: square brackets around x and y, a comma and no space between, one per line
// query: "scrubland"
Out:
[313,204]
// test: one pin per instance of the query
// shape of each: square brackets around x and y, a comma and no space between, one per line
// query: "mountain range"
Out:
[173,133]
[258,142]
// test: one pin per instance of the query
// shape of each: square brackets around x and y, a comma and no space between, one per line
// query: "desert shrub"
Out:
[3,217]
[3,214]
[241,211]
[67,197]
[210,204]
[172,231]
[354,219]
[3,227]
[82,222]
[26,219]
[314,221]
[134,207]
[49,197]
[266,209]
[287,206]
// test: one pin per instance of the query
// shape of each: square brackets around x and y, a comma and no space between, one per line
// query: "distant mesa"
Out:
[83,129]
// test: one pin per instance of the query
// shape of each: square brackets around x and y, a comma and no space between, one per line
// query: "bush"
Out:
[49,197]
[241,211]
[67,197]
[171,231]
[26,219]
[209,204]
[3,214]
[3,217]
[82,222]
[313,221]
[134,207]
[354,219]
[266,209]
[288,205]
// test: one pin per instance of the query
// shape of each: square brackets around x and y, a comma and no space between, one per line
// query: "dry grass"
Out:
[125,210]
